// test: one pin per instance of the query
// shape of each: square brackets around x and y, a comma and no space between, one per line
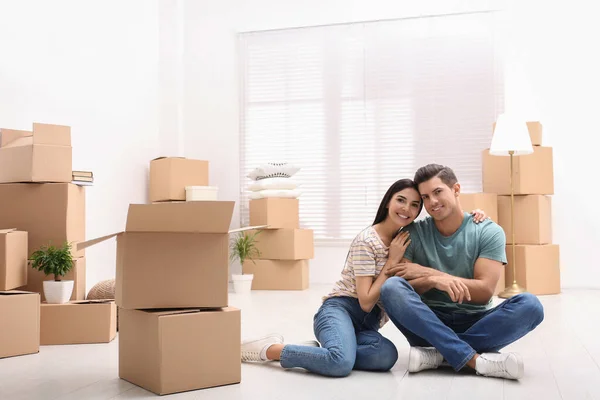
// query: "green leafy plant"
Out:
[51,260]
[243,247]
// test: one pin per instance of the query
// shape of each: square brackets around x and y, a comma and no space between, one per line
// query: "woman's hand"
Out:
[398,247]
[479,215]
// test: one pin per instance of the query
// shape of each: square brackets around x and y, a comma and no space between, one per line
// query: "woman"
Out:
[347,323]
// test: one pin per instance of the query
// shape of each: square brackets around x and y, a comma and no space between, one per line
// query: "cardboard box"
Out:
[20,321]
[285,244]
[532,173]
[170,175]
[35,280]
[533,218]
[50,213]
[535,132]
[43,155]
[278,274]
[13,259]
[538,268]
[179,350]
[276,213]
[487,202]
[79,322]
[173,255]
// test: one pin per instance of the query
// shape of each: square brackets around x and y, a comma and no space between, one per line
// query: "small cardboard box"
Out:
[487,202]
[20,321]
[276,213]
[78,322]
[170,175]
[173,255]
[13,259]
[532,173]
[50,213]
[43,155]
[538,268]
[180,350]
[535,132]
[278,274]
[533,218]
[285,244]
[35,280]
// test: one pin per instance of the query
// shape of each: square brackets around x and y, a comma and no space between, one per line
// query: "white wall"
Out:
[551,53]
[93,66]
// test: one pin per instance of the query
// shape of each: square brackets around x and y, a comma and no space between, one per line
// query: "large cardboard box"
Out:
[173,255]
[535,132]
[278,274]
[533,218]
[13,259]
[43,155]
[538,268]
[276,213]
[79,322]
[170,175]
[532,173]
[20,322]
[35,280]
[179,350]
[50,213]
[487,202]
[285,244]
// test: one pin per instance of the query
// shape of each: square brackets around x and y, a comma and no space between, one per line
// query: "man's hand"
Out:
[408,271]
[452,285]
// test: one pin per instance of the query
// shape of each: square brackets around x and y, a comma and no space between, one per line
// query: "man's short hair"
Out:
[430,171]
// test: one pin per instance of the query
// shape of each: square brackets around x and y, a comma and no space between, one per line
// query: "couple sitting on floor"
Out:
[434,279]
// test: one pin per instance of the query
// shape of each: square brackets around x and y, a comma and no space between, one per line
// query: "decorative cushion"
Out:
[273,183]
[261,194]
[273,170]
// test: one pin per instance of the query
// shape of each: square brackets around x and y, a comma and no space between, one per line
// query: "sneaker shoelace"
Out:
[250,356]
[497,366]
[430,358]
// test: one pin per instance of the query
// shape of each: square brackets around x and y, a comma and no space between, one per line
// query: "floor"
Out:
[562,361]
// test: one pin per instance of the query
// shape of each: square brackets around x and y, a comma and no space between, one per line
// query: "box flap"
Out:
[162,313]
[88,243]
[14,292]
[189,217]
[163,157]
[14,137]
[99,301]
[248,228]
[7,230]
[58,135]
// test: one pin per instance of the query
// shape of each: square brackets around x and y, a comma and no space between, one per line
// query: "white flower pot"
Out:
[58,292]
[242,283]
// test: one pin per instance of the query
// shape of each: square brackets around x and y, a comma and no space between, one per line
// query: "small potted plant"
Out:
[243,248]
[56,261]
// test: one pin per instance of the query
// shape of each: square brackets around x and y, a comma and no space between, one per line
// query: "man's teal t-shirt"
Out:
[455,254]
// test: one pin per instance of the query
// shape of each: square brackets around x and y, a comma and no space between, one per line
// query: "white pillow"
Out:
[273,183]
[290,194]
[273,170]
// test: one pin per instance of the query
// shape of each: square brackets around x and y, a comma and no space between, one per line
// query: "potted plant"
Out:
[243,248]
[56,261]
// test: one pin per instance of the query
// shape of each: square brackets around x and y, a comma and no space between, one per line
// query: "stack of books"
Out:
[83,178]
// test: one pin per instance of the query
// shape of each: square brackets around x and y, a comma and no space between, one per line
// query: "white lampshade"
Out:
[510,134]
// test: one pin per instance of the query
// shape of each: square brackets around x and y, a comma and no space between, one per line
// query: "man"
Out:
[440,295]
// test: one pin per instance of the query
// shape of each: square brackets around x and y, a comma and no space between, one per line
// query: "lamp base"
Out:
[511,291]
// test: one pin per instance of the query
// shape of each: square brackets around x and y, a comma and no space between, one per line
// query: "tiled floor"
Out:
[562,360]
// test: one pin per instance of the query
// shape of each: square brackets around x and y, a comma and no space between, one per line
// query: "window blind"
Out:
[359,106]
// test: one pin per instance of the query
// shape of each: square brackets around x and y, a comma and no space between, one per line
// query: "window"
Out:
[359,106]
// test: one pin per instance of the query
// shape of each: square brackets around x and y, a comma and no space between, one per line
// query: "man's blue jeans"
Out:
[459,336]
[349,340]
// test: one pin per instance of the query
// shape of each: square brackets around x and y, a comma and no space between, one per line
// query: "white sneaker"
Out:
[498,365]
[420,358]
[256,350]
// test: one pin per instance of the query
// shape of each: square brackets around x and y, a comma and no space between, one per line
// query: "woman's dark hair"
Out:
[397,186]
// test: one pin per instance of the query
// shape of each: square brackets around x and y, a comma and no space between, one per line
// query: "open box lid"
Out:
[15,292]
[57,135]
[5,231]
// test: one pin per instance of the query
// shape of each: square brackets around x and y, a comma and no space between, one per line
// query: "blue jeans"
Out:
[349,340]
[459,336]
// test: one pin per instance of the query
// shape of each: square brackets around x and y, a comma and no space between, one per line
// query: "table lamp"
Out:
[511,138]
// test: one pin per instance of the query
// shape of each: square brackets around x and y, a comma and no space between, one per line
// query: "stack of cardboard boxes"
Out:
[40,206]
[176,330]
[285,248]
[169,177]
[537,258]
